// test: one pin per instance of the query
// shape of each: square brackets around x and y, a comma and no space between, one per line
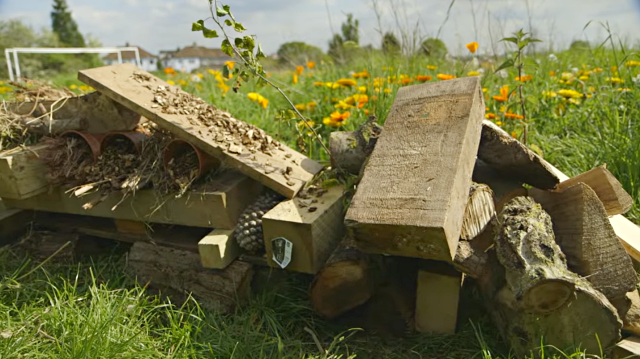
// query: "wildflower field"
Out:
[577,108]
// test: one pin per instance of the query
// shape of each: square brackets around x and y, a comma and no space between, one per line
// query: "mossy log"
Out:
[350,149]
[531,293]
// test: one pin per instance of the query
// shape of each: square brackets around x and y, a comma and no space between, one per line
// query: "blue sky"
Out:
[165,24]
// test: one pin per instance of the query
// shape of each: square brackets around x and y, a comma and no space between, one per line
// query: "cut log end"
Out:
[548,295]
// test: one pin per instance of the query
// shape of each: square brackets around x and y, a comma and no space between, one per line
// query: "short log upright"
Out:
[415,186]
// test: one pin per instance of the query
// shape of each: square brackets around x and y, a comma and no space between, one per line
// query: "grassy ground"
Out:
[93,309]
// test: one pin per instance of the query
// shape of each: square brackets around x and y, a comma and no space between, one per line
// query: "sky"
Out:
[166,24]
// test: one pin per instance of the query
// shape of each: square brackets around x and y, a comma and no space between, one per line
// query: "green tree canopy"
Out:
[298,53]
[580,45]
[390,44]
[346,46]
[434,47]
[64,26]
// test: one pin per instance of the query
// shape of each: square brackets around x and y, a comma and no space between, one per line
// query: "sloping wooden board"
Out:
[218,206]
[414,189]
[117,82]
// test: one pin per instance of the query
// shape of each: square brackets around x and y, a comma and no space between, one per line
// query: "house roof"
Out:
[198,51]
[129,55]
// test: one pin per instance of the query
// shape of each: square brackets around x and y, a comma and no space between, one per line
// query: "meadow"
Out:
[581,111]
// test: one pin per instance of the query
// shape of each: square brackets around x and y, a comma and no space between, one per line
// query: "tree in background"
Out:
[390,44]
[299,53]
[434,48]
[63,24]
[579,45]
[344,47]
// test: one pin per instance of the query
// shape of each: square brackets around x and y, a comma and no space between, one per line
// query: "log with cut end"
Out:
[504,189]
[350,149]
[629,310]
[513,159]
[479,212]
[610,191]
[584,233]
[414,188]
[344,282]
[182,271]
[531,294]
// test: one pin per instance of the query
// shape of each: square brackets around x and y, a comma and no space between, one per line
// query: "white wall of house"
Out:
[147,63]
[184,64]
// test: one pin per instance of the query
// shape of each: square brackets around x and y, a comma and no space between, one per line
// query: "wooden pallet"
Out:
[217,205]
[121,83]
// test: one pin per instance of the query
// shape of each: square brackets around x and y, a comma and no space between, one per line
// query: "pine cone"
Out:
[248,231]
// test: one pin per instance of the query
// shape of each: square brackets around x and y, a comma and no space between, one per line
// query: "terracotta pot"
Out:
[134,137]
[93,140]
[178,146]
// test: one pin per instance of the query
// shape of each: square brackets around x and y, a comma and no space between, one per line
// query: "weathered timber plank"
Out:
[437,301]
[314,229]
[513,159]
[94,112]
[218,249]
[627,231]
[218,206]
[610,191]
[119,83]
[628,348]
[415,185]
[22,173]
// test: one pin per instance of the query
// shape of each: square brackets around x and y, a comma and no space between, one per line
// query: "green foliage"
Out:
[345,47]
[299,53]
[579,45]
[390,44]
[435,48]
[64,26]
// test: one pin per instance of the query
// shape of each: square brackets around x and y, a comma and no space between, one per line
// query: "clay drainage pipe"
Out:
[92,140]
[134,138]
[177,149]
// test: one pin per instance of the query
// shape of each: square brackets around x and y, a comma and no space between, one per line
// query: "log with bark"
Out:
[530,292]
[345,281]
[350,149]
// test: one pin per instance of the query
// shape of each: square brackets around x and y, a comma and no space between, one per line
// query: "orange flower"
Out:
[361,75]
[513,115]
[169,71]
[423,78]
[318,83]
[445,77]
[299,70]
[524,78]
[311,64]
[504,94]
[406,81]
[490,115]
[336,119]
[472,46]
[552,73]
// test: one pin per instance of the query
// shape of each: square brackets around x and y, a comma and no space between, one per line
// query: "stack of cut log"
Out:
[552,259]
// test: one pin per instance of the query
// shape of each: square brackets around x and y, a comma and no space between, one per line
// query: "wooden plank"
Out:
[285,171]
[13,223]
[437,301]
[313,225]
[610,191]
[22,173]
[95,112]
[627,348]
[131,227]
[218,249]
[217,205]
[221,290]
[415,185]
[627,231]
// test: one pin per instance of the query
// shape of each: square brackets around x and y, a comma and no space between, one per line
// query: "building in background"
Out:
[148,62]
[194,57]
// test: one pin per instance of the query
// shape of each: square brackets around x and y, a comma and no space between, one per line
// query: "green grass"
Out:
[93,309]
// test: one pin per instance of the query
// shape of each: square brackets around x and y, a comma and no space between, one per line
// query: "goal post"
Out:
[14,64]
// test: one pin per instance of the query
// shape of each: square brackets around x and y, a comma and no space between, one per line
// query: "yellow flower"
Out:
[346,82]
[311,105]
[230,64]
[182,82]
[614,80]
[224,87]
[200,75]
[299,70]
[295,79]
[445,77]
[473,73]
[311,64]
[432,67]
[360,75]
[489,115]
[336,119]
[301,107]
[362,89]
[499,123]
[504,94]
[624,89]
[568,93]
[5,89]
[485,90]
[574,101]
[549,94]
[342,105]
[73,86]
[472,46]
[170,82]
[387,90]
[524,78]
[318,83]
[567,76]
[256,97]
